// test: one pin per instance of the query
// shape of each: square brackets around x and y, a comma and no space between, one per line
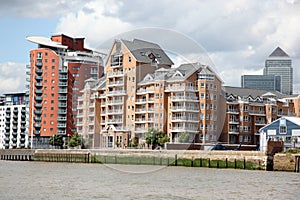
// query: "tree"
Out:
[156,138]
[56,140]
[75,140]
[184,137]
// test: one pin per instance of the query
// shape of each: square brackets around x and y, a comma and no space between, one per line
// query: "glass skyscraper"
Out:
[279,63]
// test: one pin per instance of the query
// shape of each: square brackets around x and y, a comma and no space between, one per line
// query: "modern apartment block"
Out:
[57,71]
[262,82]
[88,120]
[13,121]
[142,91]
[248,110]
[279,63]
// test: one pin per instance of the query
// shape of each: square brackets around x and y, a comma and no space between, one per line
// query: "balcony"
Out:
[114,102]
[184,129]
[38,112]
[144,91]
[65,84]
[15,111]
[62,112]
[184,98]
[38,105]
[115,74]
[63,91]
[233,131]
[7,140]
[7,134]
[140,101]
[181,88]
[63,98]
[233,111]
[63,70]
[37,132]
[38,98]
[62,119]
[115,111]
[116,83]
[38,78]
[114,121]
[38,85]
[140,130]
[7,117]
[37,119]
[37,125]
[257,112]
[38,92]
[7,111]
[140,110]
[184,109]
[185,119]
[260,123]
[116,64]
[233,121]
[63,77]
[38,64]
[116,93]
[39,71]
[22,140]
[61,125]
[62,105]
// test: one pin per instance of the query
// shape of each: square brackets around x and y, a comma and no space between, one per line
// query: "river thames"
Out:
[42,180]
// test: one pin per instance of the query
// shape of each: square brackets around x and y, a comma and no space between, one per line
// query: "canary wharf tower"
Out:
[279,63]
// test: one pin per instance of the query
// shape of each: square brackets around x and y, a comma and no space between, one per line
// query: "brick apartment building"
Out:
[57,71]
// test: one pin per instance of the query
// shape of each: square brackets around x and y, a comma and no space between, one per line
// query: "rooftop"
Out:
[278,52]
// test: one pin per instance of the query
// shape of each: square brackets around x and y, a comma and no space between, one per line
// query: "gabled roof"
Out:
[245,92]
[278,52]
[294,120]
[184,71]
[144,51]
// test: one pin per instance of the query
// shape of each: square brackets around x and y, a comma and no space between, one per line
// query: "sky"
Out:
[237,35]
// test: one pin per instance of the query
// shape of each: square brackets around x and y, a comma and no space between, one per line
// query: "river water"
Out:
[42,180]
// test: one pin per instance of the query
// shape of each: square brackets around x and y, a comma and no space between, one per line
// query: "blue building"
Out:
[286,129]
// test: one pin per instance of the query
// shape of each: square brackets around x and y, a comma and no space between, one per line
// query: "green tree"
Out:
[184,137]
[56,140]
[156,138]
[75,140]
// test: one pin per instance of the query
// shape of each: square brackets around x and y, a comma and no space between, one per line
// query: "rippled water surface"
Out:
[41,180]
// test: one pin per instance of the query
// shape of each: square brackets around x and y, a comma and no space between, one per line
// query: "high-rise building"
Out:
[263,82]
[56,74]
[13,121]
[279,63]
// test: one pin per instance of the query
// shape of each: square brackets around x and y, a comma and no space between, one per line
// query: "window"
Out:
[129,59]
[53,67]
[282,129]
[241,138]
[202,85]
[53,60]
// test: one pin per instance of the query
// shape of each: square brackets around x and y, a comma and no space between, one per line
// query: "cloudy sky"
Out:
[238,35]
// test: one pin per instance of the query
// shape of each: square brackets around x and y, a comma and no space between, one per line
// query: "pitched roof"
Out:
[278,52]
[144,51]
[245,92]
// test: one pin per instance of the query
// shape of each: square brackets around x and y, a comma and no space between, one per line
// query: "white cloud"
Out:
[238,35]
[12,77]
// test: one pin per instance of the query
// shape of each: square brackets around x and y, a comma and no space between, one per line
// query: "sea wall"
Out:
[286,162]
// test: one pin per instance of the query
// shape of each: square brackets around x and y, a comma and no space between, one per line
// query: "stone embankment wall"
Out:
[285,162]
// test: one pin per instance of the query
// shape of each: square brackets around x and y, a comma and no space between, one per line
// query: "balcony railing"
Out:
[115,74]
[116,92]
[181,88]
[144,91]
[184,98]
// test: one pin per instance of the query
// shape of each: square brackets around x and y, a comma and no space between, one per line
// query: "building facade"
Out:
[13,122]
[263,82]
[56,74]
[286,129]
[248,110]
[280,64]
[142,91]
